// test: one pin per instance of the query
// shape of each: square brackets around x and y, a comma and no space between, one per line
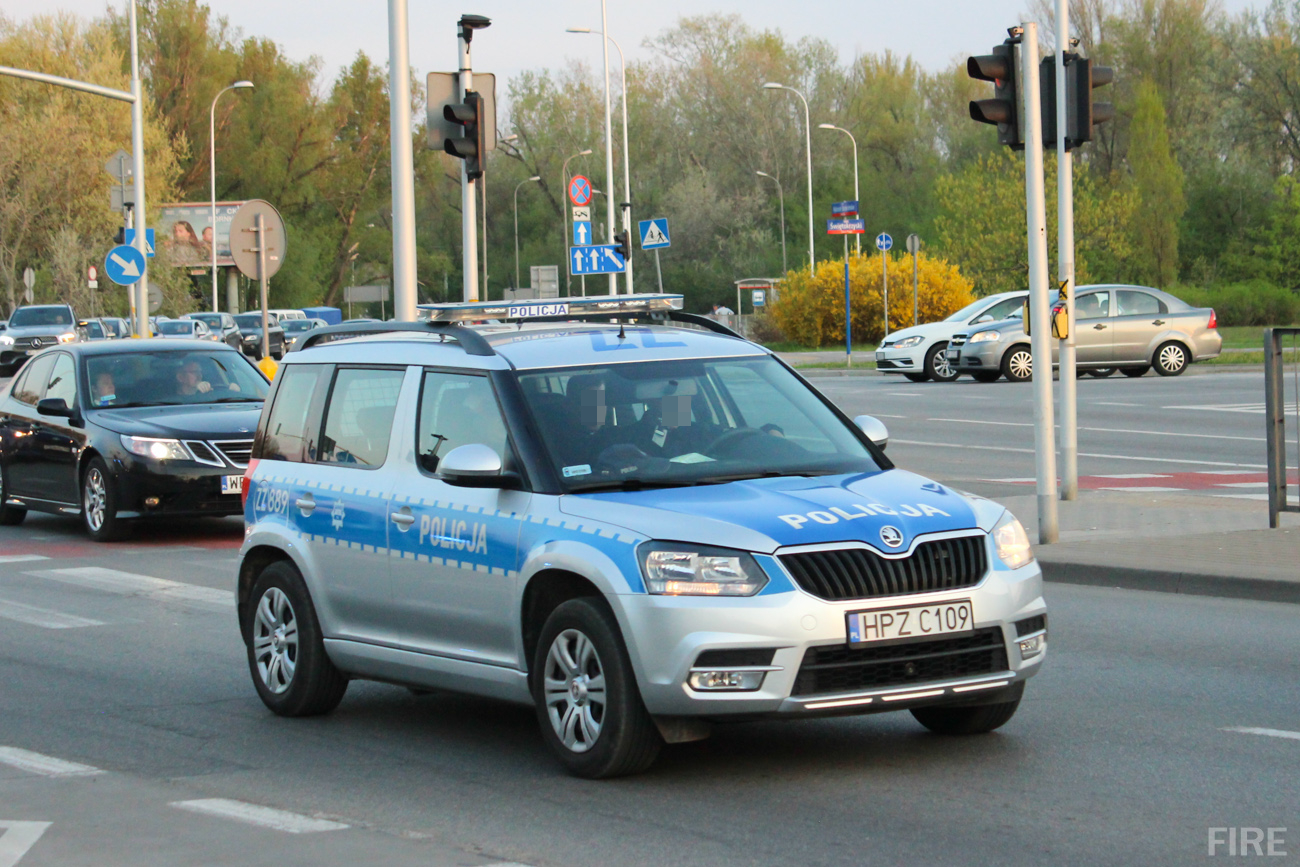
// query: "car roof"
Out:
[118,347]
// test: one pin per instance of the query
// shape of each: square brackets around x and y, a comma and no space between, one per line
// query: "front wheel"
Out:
[967,719]
[99,504]
[1018,364]
[986,375]
[1170,359]
[937,364]
[1135,372]
[587,701]
[1102,372]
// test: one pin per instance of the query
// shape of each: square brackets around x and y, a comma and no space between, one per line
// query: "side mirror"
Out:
[874,428]
[475,465]
[56,406]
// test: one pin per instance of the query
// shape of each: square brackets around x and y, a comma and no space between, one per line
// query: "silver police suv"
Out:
[623,515]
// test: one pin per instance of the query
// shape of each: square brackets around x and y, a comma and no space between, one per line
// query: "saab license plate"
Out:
[913,621]
[232,484]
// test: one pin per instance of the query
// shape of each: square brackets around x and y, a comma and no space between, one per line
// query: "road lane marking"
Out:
[18,838]
[131,584]
[33,616]
[263,817]
[1153,433]
[1081,454]
[1268,733]
[21,558]
[1145,489]
[43,765]
[1133,476]
[1114,403]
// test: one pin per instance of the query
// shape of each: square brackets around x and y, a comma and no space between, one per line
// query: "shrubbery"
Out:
[810,310]
[1254,302]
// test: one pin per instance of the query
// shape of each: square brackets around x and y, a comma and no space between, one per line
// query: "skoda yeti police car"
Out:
[624,515]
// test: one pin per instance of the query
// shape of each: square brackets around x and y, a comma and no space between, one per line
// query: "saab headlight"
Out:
[158,449]
[985,337]
[679,569]
[908,342]
[1012,542]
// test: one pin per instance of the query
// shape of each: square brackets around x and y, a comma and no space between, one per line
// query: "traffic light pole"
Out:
[403,173]
[137,163]
[1065,266]
[468,201]
[1040,324]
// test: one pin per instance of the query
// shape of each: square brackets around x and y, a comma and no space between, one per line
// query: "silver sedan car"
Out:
[1128,328]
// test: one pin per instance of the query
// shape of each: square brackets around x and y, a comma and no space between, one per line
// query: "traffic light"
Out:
[470,148]
[999,68]
[120,238]
[1082,114]
[624,245]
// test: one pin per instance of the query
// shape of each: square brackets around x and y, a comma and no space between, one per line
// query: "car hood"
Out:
[1005,325]
[192,421]
[928,330]
[766,514]
[38,330]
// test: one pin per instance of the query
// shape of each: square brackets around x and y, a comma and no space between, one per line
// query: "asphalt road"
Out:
[126,662]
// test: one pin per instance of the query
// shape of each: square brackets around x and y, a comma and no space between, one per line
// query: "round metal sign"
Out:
[580,191]
[913,244]
[243,238]
[884,242]
[155,298]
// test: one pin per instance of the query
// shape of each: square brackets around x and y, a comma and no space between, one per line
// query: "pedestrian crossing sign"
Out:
[654,233]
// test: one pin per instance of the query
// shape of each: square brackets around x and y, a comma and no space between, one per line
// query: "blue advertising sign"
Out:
[600,259]
[850,226]
[845,209]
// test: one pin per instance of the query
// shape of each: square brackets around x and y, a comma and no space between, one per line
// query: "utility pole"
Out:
[609,146]
[403,171]
[1065,265]
[468,206]
[137,164]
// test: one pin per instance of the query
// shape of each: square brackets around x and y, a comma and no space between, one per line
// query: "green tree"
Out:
[1159,182]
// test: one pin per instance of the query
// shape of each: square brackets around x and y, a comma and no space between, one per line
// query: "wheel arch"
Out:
[254,561]
[546,591]
[1173,337]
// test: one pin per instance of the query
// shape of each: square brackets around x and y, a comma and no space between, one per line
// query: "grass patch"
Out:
[1250,358]
[791,346]
[1244,337]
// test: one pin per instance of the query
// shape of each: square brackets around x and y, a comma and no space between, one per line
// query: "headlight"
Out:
[678,569]
[158,449]
[985,337]
[252,338]
[6,340]
[908,342]
[1012,542]
[67,338]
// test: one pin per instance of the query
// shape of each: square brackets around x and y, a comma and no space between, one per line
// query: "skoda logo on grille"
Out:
[891,536]
[36,341]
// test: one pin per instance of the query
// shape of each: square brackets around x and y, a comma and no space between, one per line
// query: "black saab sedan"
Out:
[116,430]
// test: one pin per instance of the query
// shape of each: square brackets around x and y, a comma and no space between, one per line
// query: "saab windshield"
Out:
[166,378]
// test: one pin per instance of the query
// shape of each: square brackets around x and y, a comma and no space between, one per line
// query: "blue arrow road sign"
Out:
[124,265]
[582,233]
[884,242]
[654,233]
[129,240]
[845,209]
[600,259]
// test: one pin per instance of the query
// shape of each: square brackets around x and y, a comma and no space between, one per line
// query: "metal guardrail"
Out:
[1275,407]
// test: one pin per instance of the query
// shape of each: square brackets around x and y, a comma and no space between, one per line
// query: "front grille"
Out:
[203,453]
[837,668]
[957,340]
[857,573]
[236,451]
[34,342]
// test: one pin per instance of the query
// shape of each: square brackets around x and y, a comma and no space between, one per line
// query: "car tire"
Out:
[917,377]
[594,733]
[937,366]
[1018,364]
[291,671]
[1135,372]
[967,719]
[10,516]
[1170,359]
[99,504]
[986,375]
[1102,372]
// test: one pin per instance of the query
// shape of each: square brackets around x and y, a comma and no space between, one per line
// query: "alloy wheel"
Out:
[941,366]
[1021,364]
[95,499]
[574,685]
[275,640]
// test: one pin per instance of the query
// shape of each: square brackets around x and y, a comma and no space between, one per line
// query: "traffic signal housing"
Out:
[1081,113]
[999,68]
[624,245]
[470,148]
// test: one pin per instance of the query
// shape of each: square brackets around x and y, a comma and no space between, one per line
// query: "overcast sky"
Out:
[529,34]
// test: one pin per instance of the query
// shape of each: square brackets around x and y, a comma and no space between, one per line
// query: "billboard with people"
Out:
[186,234]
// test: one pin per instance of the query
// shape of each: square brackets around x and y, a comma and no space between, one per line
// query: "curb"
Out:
[1167,581]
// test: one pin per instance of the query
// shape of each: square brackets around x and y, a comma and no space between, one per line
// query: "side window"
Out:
[63,380]
[1094,305]
[1000,311]
[359,417]
[31,387]
[286,427]
[1132,303]
[457,409]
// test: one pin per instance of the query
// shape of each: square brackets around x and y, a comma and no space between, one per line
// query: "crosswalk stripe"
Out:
[131,584]
[33,616]
[264,817]
[45,766]
[17,838]
[20,558]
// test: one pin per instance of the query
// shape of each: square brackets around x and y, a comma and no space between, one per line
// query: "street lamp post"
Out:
[626,207]
[857,239]
[780,196]
[564,224]
[609,146]
[517,186]
[807,129]
[212,176]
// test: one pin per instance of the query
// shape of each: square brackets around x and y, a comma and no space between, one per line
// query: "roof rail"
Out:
[471,341]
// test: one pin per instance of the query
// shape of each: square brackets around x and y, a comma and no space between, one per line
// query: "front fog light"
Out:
[1012,542]
[1030,647]
[734,681]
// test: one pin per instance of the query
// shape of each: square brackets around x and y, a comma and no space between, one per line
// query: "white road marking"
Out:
[1114,403]
[1154,433]
[34,616]
[43,765]
[263,817]
[1081,454]
[1141,489]
[1010,481]
[18,838]
[1268,733]
[978,421]
[131,584]
[21,558]
[1133,476]
[903,394]
[1241,484]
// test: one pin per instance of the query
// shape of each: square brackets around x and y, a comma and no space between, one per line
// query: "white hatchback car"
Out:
[918,352]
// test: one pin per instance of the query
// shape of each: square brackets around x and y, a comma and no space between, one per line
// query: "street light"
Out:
[517,186]
[857,239]
[212,171]
[772,85]
[627,183]
[781,198]
[564,224]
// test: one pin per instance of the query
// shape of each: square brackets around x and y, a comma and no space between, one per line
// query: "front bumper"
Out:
[173,489]
[976,356]
[899,360]
[666,636]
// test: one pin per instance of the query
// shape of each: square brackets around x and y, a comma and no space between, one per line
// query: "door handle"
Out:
[306,505]
[1099,327]
[1158,322]
[403,519]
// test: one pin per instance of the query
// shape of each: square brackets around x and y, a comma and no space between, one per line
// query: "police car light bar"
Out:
[554,308]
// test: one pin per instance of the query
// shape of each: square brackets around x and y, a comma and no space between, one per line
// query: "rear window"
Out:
[285,437]
[174,326]
[359,417]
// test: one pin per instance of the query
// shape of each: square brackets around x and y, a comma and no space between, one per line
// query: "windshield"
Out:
[175,326]
[968,311]
[667,423]
[212,320]
[253,321]
[292,326]
[29,316]
[166,378]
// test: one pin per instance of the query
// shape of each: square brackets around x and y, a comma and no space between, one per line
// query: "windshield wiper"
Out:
[237,400]
[632,485]
[137,404]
